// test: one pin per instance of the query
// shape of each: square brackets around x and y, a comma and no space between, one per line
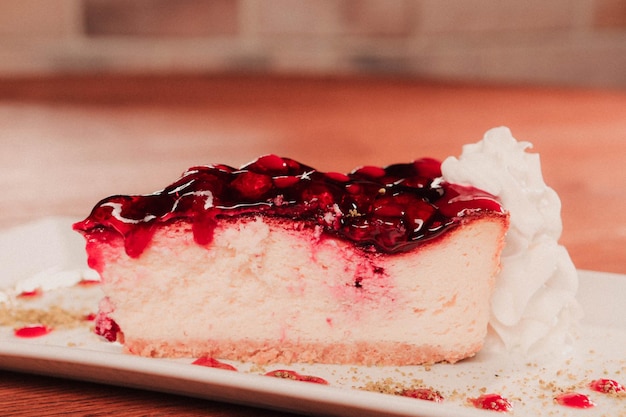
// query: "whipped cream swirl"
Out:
[533,307]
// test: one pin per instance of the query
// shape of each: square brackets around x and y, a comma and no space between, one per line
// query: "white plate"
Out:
[48,253]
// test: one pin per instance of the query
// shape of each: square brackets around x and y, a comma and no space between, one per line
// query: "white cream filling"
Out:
[533,308]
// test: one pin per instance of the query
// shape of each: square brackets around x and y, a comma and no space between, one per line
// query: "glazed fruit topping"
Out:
[392,209]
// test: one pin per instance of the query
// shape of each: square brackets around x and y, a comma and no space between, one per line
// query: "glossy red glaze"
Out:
[32,331]
[213,363]
[392,209]
[494,402]
[30,294]
[574,400]
[607,386]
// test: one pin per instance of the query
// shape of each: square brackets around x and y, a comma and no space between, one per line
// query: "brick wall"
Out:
[567,42]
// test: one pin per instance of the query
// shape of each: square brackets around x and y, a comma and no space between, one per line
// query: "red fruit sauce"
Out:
[30,294]
[37,330]
[213,363]
[392,209]
[607,386]
[574,400]
[286,374]
[494,402]
[89,317]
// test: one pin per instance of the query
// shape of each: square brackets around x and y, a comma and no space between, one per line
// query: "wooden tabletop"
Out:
[69,141]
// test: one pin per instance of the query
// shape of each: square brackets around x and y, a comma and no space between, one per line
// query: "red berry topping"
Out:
[251,186]
[392,209]
[286,181]
[428,167]
[369,172]
[269,164]
[337,176]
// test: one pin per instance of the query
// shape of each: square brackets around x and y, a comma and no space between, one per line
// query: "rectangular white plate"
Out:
[48,254]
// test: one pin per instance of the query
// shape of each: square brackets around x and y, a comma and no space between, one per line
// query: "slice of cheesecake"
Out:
[278,262]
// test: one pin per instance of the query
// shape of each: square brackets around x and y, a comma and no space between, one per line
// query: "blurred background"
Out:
[101,97]
[557,42]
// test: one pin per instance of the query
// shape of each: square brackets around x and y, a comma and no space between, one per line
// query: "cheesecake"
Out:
[277,262]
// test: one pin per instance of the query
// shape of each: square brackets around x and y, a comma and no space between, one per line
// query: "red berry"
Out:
[251,185]
[337,176]
[269,164]
[285,181]
[428,167]
[369,172]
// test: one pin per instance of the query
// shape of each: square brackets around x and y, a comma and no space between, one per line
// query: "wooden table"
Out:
[67,142]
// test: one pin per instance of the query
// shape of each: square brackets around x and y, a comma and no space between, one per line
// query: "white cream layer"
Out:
[533,308]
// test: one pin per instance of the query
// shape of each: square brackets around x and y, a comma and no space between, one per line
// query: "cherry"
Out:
[251,185]
[369,172]
[269,164]
[285,181]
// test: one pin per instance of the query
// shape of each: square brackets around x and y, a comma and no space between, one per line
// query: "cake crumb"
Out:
[54,317]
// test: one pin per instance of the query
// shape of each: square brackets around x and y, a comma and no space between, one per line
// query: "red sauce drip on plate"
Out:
[88,282]
[213,363]
[392,209]
[32,331]
[30,294]
[574,400]
[607,386]
[494,402]
[287,374]
[90,317]
[423,394]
